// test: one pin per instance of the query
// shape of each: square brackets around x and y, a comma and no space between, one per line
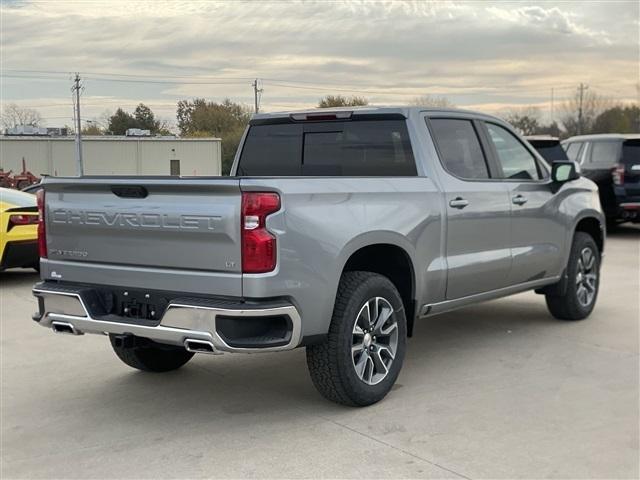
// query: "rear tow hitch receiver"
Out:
[126,340]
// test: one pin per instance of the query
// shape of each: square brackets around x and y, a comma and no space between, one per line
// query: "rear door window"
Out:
[272,150]
[517,162]
[605,153]
[459,148]
[351,148]
[573,150]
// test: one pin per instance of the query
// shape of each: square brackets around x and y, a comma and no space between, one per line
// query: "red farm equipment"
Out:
[24,178]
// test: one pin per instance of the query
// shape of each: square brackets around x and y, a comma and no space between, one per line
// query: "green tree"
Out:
[142,118]
[146,119]
[121,121]
[226,120]
[619,119]
[331,101]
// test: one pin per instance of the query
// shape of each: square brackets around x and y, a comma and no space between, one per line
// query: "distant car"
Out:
[547,146]
[612,161]
[18,230]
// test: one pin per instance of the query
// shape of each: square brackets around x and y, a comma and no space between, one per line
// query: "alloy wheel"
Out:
[375,340]
[586,277]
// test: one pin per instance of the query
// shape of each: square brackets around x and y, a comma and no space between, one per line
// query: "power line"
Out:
[134,75]
[268,79]
[123,80]
[290,84]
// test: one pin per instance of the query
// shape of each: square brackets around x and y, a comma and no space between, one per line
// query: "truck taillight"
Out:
[618,174]
[42,233]
[258,244]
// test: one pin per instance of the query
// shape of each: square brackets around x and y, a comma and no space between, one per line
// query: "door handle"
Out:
[458,202]
[519,200]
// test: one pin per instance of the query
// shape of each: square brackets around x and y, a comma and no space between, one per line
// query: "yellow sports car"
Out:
[18,230]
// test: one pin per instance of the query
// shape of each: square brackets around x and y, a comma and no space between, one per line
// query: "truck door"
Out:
[478,210]
[537,227]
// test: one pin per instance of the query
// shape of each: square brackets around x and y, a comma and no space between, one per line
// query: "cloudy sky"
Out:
[483,55]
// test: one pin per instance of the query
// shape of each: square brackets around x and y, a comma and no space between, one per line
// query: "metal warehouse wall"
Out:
[112,155]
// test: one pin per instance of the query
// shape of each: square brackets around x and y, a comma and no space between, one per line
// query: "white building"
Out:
[112,155]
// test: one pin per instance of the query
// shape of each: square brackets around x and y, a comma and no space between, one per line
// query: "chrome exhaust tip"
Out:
[64,328]
[200,346]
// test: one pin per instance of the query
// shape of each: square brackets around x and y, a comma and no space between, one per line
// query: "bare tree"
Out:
[579,114]
[431,101]
[14,115]
[525,119]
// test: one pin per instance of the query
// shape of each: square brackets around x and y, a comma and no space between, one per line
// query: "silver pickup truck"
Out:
[336,231]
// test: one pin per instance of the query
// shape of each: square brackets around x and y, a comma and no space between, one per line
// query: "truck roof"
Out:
[541,137]
[370,110]
[605,136]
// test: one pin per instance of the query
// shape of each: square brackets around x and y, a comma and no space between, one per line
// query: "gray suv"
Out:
[337,230]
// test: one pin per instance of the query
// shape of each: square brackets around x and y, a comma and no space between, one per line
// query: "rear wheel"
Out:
[365,348]
[583,273]
[149,356]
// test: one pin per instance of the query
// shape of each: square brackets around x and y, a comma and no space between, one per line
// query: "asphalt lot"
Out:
[499,390]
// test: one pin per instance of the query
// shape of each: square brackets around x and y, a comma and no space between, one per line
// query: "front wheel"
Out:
[583,274]
[365,348]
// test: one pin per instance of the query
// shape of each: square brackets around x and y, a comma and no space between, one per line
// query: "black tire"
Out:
[150,356]
[568,306]
[331,364]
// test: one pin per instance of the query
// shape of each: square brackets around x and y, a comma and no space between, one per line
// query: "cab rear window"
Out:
[336,148]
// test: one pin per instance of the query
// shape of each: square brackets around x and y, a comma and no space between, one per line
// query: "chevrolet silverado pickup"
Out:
[336,231]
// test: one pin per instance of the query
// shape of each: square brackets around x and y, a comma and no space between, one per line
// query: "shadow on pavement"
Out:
[627,230]
[277,383]
[19,277]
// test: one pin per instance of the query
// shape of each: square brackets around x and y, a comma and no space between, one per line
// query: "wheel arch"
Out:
[594,227]
[593,224]
[389,255]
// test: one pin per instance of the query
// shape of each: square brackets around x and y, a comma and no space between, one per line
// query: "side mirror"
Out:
[564,171]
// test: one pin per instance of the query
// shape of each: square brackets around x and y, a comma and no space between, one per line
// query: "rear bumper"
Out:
[20,254]
[225,325]
[629,211]
[630,205]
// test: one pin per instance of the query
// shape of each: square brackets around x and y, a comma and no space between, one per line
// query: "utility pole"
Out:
[552,106]
[256,92]
[582,88]
[76,88]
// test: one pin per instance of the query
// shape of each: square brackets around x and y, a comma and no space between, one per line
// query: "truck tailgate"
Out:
[191,225]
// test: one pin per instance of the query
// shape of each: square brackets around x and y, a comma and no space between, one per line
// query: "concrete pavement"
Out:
[497,390]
